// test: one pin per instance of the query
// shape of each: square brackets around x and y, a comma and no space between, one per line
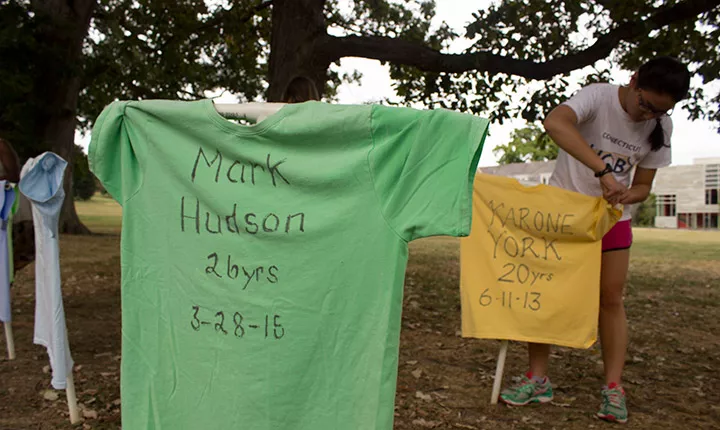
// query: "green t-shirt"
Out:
[263,266]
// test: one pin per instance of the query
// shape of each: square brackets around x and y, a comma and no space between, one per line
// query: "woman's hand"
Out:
[641,186]
[613,191]
[635,194]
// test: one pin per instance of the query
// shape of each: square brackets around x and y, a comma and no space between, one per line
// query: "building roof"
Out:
[516,169]
[707,160]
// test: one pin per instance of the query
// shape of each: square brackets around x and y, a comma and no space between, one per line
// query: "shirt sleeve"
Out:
[585,102]
[423,164]
[663,156]
[115,152]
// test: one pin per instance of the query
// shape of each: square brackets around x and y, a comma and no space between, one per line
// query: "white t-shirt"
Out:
[41,180]
[617,139]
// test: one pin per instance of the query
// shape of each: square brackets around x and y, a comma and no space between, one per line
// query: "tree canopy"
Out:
[64,61]
[529,143]
[144,49]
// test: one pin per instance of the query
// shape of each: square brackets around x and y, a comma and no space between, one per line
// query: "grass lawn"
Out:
[444,380]
[100,214]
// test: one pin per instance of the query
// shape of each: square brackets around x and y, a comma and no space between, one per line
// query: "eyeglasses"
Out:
[647,107]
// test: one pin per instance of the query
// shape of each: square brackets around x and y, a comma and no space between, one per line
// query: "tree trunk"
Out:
[65,27]
[298,30]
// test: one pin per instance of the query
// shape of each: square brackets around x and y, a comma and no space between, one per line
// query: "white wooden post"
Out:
[499,372]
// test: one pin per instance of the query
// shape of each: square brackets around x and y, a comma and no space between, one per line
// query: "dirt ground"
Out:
[444,380]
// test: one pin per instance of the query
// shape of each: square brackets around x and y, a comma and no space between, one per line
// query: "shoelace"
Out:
[526,385]
[614,398]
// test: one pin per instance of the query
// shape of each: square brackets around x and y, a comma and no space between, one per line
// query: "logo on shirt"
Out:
[620,163]
[621,143]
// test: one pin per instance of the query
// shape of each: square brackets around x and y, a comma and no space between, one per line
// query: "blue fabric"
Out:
[7,198]
[43,185]
[41,181]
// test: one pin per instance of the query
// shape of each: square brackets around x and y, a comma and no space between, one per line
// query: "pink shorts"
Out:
[619,237]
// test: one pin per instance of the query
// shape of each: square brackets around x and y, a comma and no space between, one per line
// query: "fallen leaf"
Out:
[90,414]
[103,354]
[423,396]
[50,395]
[417,373]
[427,424]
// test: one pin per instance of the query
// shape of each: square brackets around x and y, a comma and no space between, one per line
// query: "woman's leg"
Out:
[534,387]
[613,333]
[539,355]
[613,322]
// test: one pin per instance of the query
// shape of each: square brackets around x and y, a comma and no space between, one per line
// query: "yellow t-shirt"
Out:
[530,269]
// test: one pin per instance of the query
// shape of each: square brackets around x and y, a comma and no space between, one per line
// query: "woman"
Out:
[23,236]
[612,140]
[300,89]
[9,162]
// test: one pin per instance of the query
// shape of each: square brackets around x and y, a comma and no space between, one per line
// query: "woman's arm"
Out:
[641,185]
[561,126]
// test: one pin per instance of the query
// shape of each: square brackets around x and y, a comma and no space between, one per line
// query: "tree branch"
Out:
[413,54]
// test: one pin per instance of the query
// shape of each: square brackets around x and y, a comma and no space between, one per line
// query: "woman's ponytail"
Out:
[657,137]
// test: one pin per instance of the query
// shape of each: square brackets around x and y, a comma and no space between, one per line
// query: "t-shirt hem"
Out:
[654,166]
[368,161]
[533,339]
[466,191]
[96,155]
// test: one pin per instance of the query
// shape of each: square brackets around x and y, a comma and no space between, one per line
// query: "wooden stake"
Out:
[72,400]
[10,340]
[499,372]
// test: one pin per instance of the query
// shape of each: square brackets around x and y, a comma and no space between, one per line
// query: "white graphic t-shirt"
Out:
[617,139]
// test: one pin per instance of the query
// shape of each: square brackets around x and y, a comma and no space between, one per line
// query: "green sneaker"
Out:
[613,407]
[528,391]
